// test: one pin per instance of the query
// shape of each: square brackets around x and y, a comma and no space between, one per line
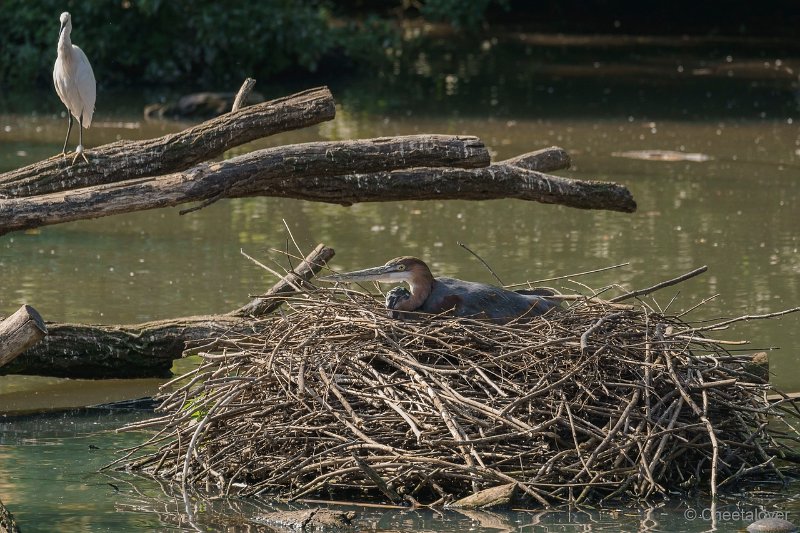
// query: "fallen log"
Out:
[19,332]
[506,179]
[125,160]
[197,105]
[125,351]
[242,176]
[148,349]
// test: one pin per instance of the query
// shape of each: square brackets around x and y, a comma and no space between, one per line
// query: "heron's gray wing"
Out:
[470,299]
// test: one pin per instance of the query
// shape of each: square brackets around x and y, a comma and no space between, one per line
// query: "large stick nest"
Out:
[595,401]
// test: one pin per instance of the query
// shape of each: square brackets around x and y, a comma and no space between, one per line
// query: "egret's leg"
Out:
[79,149]
[69,129]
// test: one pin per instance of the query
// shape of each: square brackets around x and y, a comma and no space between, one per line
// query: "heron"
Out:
[436,295]
[75,84]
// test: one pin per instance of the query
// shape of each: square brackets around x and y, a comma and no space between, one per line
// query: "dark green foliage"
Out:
[154,41]
[459,13]
[207,43]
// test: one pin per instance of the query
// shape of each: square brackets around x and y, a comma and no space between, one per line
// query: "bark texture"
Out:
[500,180]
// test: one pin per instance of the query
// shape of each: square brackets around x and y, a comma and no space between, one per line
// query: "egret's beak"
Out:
[61,30]
[384,273]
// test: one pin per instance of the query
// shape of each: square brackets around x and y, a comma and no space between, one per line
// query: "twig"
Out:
[567,276]
[657,286]
[464,246]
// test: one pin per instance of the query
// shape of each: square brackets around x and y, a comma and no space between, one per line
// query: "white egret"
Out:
[75,85]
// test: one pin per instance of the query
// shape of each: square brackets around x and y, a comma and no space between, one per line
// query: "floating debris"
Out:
[664,155]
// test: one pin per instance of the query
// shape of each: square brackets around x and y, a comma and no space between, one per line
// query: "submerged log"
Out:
[544,160]
[148,349]
[244,175]
[499,496]
[125,160]
[19,332]
[316,519]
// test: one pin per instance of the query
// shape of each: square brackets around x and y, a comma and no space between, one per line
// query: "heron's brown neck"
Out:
[421,286]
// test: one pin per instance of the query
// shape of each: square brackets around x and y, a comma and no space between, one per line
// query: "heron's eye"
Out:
[401,267]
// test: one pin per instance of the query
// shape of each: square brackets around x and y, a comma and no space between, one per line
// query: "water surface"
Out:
[738,212]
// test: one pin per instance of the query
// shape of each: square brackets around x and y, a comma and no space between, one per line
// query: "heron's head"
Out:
[408,269]
[65,22]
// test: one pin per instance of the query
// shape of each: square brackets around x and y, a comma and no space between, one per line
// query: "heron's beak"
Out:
[61,30]
[387,274]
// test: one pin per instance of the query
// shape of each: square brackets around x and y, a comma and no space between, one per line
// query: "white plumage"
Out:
[75,84]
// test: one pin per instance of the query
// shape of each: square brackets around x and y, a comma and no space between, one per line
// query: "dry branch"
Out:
[126,160]
[311,265]
[242,176]
[8,523]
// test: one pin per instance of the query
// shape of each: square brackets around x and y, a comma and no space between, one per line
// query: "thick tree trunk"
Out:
[244,175]
[19,332]
[500,180]
[147,350]
[125,160]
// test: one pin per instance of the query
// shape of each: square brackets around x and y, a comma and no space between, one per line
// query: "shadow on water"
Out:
[735,101]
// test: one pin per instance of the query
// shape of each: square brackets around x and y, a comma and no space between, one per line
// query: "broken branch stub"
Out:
[19,332]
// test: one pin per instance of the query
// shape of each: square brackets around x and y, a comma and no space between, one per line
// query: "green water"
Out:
[738,213]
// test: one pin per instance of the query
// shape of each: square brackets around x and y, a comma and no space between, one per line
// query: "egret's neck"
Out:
[421,286]
[65,45]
